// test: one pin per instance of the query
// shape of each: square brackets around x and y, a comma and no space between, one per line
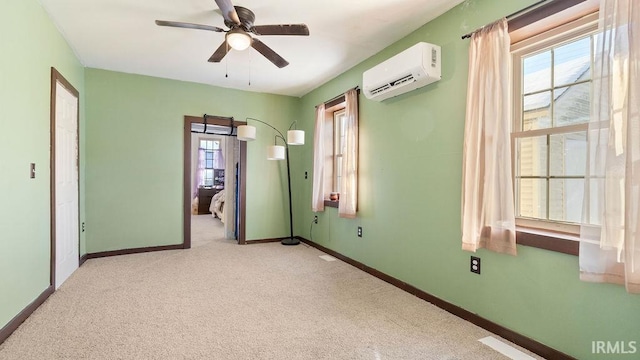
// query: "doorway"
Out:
[64,179]
[212,214]
[234,214]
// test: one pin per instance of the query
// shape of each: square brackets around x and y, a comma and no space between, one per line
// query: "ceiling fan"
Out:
[240,20]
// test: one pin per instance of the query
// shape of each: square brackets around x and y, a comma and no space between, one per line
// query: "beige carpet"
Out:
[221,300]
[205,229]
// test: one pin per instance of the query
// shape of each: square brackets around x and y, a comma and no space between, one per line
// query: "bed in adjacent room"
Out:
[217,205]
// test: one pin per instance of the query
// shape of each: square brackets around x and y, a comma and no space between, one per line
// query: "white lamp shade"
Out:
[246,133]
[238,40]
[295,137]
[275,152]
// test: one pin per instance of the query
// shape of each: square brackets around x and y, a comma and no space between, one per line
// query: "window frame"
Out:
[331,109]
[212,169]
[337,144]
[550,235]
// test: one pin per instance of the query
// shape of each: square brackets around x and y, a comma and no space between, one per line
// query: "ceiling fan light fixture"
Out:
[238,39]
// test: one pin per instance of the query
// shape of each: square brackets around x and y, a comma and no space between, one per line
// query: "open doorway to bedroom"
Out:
[214,181]
[208,167]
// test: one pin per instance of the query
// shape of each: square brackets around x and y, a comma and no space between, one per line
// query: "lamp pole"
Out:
[291,240]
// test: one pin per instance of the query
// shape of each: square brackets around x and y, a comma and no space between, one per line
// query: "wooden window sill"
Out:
[331,203]
[548,240]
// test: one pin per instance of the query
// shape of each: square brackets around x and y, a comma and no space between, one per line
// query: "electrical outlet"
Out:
[474,265]
[359,231]
[83,226]
[315,219]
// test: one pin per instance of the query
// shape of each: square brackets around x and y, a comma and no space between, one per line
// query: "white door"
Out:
[66,184]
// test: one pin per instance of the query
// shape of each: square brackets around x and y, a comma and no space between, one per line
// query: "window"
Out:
[334,119]
[552,103]
[212,153]
[335,152]
[339,147]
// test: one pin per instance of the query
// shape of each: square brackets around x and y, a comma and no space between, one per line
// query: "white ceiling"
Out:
[121,35]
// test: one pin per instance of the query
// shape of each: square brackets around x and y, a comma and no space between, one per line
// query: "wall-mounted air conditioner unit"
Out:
[413,68]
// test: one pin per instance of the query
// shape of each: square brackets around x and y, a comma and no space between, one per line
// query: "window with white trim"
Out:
[339,147]
[212,152]
[552,75]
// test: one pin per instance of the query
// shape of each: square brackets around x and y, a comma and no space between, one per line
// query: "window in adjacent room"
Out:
[212,160]
[552,104]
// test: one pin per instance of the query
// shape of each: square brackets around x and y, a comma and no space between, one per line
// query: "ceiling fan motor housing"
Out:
[246,16]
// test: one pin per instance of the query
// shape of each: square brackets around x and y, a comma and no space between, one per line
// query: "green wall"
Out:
[30,45]
[135,157]
[409,207]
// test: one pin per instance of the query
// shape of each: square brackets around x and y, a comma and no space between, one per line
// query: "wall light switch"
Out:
[32,172]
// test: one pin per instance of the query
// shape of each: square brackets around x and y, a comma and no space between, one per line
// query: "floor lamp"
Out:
[277,152]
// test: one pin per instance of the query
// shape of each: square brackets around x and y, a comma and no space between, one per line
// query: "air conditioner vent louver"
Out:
[380,89]
[406,79]
[385,87]
[413,68]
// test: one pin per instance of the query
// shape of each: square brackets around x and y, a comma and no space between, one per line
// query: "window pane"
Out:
[338,172]
[592,216]
[208,155]
[572,104]
[572,62]
[340,125]
[532,156]
[216,145]
[343,132]
[537,72]
[555,87]
[536,111]
[568,154]
[338,143]
[209,164]
[565,199]
[532,199]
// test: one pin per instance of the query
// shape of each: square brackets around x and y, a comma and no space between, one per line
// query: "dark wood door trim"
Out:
[242,201]
[56,78]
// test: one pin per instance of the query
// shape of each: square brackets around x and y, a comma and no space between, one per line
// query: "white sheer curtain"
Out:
[348,204]
[488,219]
[317,201]
[610,238]
[218,159]
[199,178]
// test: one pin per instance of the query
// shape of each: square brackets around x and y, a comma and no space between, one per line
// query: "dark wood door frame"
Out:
[56,78]
[242,199]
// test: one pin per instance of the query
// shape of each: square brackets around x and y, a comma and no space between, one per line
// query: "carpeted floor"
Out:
[205,229]
[220,300]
